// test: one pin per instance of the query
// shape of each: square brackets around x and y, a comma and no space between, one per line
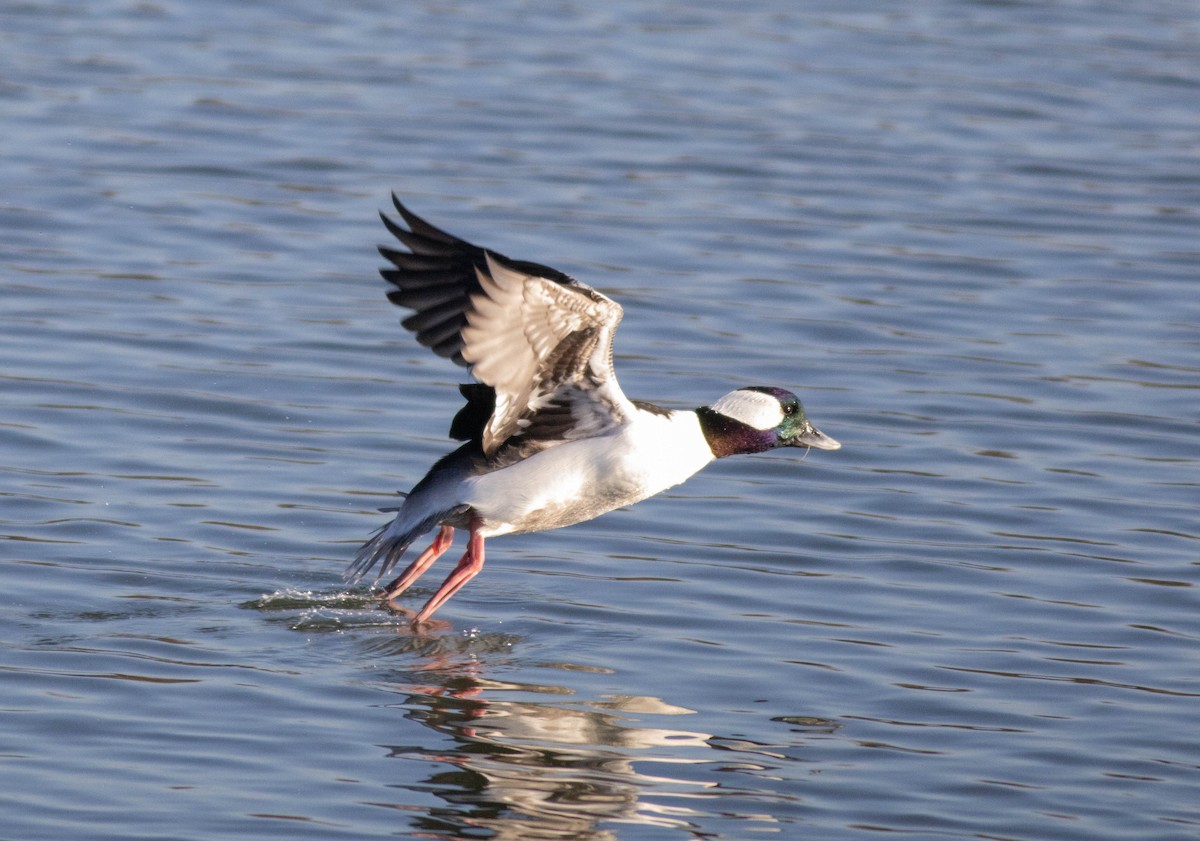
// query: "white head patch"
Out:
[752,408]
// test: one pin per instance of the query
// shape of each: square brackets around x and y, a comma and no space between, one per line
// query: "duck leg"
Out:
[424,561]
[468,567]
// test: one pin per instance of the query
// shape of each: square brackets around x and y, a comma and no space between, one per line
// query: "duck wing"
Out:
[538,338]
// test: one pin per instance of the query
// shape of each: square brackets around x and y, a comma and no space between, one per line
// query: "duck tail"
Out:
[389,543]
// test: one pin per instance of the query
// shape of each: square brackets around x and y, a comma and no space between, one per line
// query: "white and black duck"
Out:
[551,439]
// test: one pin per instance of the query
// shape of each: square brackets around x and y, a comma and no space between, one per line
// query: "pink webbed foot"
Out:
[468,567]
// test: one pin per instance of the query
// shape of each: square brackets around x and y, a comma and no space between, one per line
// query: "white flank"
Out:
[582,479]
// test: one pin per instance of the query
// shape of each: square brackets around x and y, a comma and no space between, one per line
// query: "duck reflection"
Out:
[533,761]
[531,769]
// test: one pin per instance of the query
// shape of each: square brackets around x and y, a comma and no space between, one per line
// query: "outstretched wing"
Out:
[540,339]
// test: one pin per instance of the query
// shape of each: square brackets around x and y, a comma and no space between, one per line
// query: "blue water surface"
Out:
[965,232]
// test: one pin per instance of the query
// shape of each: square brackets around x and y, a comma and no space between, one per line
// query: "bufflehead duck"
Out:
[550,439]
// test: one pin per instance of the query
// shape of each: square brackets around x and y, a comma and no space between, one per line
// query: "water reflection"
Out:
[517,766]
[543,770]
[522,760]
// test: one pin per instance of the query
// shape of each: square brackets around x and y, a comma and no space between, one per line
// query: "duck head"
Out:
[755,419]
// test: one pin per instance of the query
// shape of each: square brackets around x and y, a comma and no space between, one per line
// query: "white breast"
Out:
[579,480]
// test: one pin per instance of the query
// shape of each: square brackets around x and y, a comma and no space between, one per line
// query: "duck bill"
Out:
[815,438]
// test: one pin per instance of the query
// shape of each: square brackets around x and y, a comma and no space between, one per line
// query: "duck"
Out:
[549,438]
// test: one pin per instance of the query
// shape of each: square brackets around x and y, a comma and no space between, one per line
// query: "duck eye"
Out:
[789,408]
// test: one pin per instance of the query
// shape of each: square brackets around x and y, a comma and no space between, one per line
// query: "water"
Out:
[965,232]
